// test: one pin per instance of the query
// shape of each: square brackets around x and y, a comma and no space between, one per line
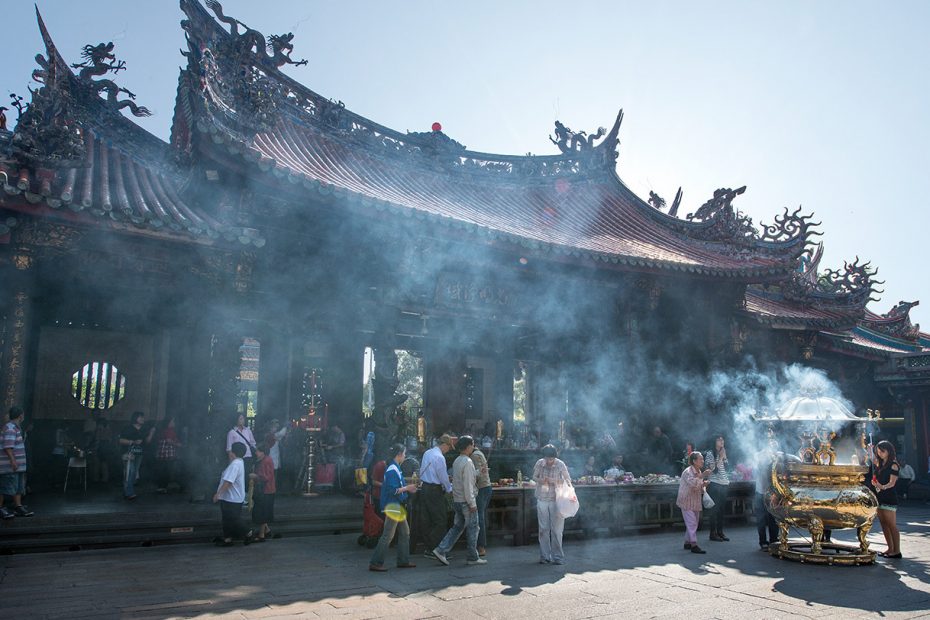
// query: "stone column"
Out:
[19,328]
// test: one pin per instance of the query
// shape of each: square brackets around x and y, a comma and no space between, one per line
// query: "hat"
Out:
[446,439]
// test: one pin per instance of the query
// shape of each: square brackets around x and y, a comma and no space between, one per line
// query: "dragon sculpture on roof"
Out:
[100,60]
[280,45]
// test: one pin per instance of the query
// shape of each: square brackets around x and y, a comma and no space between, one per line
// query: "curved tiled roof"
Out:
[124,175]
[573,204]
[775,310]
[114,184]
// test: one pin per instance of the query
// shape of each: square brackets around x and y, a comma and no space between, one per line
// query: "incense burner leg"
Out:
[816,529]
[783,535]
[861,532]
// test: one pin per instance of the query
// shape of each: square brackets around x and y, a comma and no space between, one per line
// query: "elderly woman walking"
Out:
[690,495]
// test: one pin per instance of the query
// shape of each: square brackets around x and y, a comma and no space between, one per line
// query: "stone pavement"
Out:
[638,576]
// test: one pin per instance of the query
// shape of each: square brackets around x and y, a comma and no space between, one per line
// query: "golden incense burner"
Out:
[811,492]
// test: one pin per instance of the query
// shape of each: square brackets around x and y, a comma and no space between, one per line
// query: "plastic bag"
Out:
[566,502]
[707,501]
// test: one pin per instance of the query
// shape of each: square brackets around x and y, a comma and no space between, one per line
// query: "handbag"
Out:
[707,501]
[566,502]
[246,442]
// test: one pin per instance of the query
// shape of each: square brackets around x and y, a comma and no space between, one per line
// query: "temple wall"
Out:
[141,358]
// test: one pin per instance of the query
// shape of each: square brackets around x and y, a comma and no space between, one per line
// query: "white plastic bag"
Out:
[566,502]
[707,501]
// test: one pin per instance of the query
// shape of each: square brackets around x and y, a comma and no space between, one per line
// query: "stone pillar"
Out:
[503,390]
[274,377]
[18,332]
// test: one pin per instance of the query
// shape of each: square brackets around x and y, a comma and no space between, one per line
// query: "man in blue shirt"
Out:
[431,506]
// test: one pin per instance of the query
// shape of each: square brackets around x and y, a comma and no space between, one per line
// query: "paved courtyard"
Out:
[637,576]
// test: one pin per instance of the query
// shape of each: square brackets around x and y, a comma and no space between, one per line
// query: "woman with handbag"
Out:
[394,491]
[691,492]
[243,434]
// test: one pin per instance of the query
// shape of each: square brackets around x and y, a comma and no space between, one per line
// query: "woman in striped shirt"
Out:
[715,461]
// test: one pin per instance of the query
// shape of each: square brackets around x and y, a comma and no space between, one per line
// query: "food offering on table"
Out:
[656,479]
[590,480]
[506,482]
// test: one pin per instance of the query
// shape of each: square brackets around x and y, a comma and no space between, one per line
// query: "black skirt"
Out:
[263,508]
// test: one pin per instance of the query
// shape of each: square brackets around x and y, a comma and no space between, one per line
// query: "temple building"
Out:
[249,263]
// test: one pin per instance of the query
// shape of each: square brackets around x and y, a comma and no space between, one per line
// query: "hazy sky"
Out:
[820,104]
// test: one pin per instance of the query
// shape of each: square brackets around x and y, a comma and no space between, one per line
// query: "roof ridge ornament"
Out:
[253,41]
[896,322]
[572,142]
[658,203]
[237,71]
[851,287]
[48,134]
[98,61]
[718,221]
[724,222]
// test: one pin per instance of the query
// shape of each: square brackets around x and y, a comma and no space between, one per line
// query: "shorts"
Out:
[13,484]
[888,507]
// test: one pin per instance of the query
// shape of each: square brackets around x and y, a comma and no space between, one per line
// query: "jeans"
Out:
[692,518]
[484,498]
[130,473]
[765,522]
[387,535]
[551,525]
[718,493]
[465,520]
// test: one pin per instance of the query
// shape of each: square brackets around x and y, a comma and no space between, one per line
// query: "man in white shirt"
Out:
[431,500]
[464,495]
[230,494]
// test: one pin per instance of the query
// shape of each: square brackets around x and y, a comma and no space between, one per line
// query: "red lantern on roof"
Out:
[437,127]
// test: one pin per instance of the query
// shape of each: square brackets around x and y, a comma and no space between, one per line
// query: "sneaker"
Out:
[478,561]
[6,513]
[559,562]
[544,561]
[22,511]
[429,555]
[440,556]
[482,552]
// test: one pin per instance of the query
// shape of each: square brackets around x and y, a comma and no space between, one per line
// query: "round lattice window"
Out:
[98,385]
